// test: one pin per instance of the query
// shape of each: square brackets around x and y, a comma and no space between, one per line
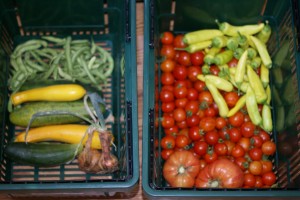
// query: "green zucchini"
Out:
[42,154]
[288,95]
[21,115]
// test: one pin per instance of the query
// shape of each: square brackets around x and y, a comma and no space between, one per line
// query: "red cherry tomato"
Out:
[237,119]
[167,122]
[178,41]
[233,62]
[180,72]
[205,98]
[195,133]
[238,151]
[193,72]
[166,96]
[193,120]
[184,58]
[214,69]
[255,153]
[167,37]
[268,148]
[167,142]
[167,78]
[200,147]
[207,124]
[181,141]
[192,94]
[249,180]
[165,153]
[221,149]
[211,137]
[179,114]
[168,106]
[167,51]
[181,103]
[167,65]
[197,58]
[247,129]
[269,178]
[192,107]
[231,98]
[199,85]
[220,123]
[234,134]
[180,92]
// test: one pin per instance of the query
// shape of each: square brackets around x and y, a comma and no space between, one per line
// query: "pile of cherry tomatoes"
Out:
[191,121]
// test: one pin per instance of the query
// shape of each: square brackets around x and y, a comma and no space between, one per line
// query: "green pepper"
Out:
[209,57]
[241,69]
[223,57]
[265,33]
[201,36]
[192,48]
[252,107]
[232,43]
[218,98]
[263,52]
[264,75]
[255,63]
[257,85]
[219,41]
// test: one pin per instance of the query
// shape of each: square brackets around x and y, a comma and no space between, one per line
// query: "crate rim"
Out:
[131,96]
[181,192]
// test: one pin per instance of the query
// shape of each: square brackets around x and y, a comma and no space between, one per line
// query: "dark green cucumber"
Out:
[21,116]
[42,154]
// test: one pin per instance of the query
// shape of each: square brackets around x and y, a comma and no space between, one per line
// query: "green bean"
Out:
[78,52]
[30,43]
[33,65]
[13,63]
[57,40]
[64,75]
[91,62]
[55,73]
[21,64]
[93,49]
[38,59]
[68,54]
[18,81]
[110,61]
[80,42]
[97,73]
[27,48]
[85,67]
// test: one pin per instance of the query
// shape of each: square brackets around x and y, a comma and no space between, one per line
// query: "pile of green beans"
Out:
[60,59]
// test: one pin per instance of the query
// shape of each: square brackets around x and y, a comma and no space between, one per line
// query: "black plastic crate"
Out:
[181,16]
[111,24]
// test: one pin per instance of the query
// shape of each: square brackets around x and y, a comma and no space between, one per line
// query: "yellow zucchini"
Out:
[67,133]
[65,92]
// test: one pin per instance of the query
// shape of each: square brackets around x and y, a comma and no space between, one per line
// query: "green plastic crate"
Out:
[110,23]
[183,16]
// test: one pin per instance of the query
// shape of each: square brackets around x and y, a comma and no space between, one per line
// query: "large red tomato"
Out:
[181,168]
[221,173]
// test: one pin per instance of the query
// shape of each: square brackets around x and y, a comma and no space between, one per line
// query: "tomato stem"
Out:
[214,184]
[181,170]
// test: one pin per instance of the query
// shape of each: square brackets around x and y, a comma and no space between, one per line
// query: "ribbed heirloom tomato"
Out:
[181,168]
[221,173]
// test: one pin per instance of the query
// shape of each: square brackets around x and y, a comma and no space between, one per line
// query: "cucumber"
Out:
[42,154]
[21,115]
